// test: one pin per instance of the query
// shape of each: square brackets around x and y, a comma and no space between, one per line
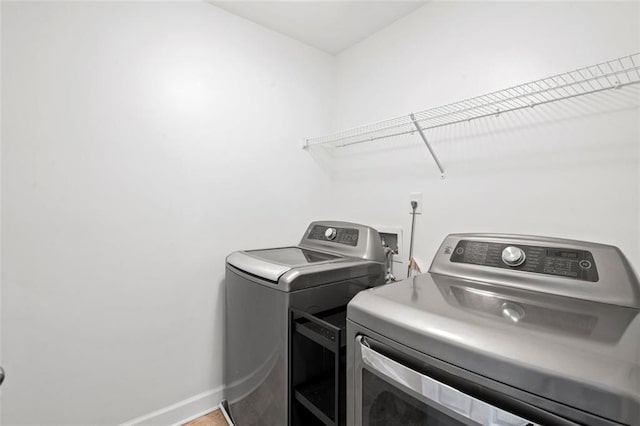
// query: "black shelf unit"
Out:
[317,367]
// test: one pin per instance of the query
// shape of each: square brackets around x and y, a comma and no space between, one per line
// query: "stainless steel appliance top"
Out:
[555,318]
[329,251]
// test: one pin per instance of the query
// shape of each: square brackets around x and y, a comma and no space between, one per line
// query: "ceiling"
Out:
[332,26]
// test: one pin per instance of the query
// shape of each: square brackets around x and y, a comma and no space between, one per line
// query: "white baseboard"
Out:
[181,412]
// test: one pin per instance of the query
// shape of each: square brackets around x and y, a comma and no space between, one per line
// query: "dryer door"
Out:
[391,390]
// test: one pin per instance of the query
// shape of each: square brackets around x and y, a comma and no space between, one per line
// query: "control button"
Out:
[513,256]
[447,250]
[459,250]
[585,264]
[330,233]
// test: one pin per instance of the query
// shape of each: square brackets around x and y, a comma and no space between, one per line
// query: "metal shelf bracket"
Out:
[426,142]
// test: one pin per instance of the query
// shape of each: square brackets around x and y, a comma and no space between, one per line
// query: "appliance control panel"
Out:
[335,234]
[345,239]
[564,262]
[557,266]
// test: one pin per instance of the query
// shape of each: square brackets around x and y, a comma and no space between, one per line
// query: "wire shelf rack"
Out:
[612,74]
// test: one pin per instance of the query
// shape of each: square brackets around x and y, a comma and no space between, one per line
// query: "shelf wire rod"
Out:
[499,102]
[549,90]
[475,105]
[474,102]
[439,119]
[443,114]
[614,72]
[624,68]
[458,109]
[594,70]
[428,113]
[462,116]
[446,109]
[558,85]
[567,84]
[536,95]
[579,84]
[495,97]
[508,100]
[471,103]
[546,92]
[553,100]
[509,95]
[336,139]
[530,94]
[558,92]
[526,96]
[382,123]
[485,105]
[518,101]
[553,89]
[344,137]
[541,89]
[605,76]
[375,138]
[634,65]
[463,113]
[448,123]
[438,111]
[585,79]
[526,93]
[568,89]
[594,76]
[535,86]
[503,104]
[468,105]
[519,108]
[521,94]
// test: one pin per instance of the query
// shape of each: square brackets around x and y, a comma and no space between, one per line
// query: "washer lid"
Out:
[270,264]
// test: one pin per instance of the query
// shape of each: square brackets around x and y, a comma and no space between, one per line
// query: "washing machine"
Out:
[330,265]
[504,330]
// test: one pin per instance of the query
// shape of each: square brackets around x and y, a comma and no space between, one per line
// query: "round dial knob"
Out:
[330,233]
[513,256]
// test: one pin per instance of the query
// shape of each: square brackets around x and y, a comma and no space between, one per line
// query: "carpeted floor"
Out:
[212,419]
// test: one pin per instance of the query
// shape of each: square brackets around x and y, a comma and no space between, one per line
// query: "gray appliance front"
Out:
[534,333]
[332,263]
[256,341]
[394,385]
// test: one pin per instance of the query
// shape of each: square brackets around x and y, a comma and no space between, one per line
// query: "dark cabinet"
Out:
[317,364]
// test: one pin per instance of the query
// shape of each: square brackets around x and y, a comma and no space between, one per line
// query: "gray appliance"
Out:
[503,330]
[333,262]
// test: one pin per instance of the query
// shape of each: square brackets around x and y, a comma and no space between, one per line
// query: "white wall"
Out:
[566,170]
[142,143]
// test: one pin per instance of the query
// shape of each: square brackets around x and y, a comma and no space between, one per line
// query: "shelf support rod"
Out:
[426,142]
